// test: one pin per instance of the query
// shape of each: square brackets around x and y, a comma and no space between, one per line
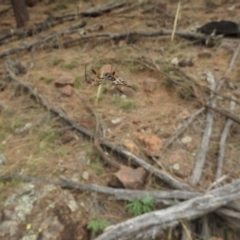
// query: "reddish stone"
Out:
[67,90]
[63,81]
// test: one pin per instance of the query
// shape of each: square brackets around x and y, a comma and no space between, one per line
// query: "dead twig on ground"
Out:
[28,46]
[223,143]
[190,209]
[200,160]
[164,197]
[233,60]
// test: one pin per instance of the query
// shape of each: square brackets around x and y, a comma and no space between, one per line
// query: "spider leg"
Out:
[94,72]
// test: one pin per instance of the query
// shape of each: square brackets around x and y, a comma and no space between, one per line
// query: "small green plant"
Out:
[137,207]
[78,82]
[95,226]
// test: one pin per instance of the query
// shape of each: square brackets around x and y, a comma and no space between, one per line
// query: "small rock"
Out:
[175,61]
[73,205]
[8,227]
[131,178]
[176,166]
[152,144]
[116,120]
[186,139]
[64,80]
[67,90]
[85,175]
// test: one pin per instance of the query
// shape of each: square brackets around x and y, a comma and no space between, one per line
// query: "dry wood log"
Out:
[190,209]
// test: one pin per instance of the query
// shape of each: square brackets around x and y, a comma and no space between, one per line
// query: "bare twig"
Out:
[233,60]
[27,46]
[106,158]
[200,160]
[163,197]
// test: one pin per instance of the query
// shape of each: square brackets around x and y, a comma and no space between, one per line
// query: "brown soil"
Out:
[50,148]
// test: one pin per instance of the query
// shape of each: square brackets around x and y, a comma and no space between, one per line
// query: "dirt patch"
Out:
[161,92]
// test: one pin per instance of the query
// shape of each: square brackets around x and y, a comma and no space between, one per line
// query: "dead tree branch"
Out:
[101,35]
[199,163]
[188,210]
[129,34]
[164,197]
[223,143]
[28,46]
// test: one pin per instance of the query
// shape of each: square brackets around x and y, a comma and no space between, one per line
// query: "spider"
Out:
[106,76]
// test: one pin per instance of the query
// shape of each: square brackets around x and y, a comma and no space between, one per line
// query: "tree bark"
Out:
[20,12]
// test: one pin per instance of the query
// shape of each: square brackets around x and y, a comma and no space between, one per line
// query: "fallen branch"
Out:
[188,210]
[28,46]
[222,143]
[129,34]
[200,160]
[164,197]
